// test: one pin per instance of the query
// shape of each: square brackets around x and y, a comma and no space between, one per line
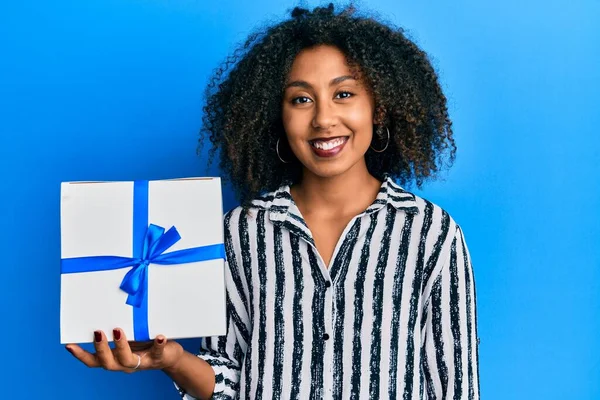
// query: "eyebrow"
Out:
[306,85]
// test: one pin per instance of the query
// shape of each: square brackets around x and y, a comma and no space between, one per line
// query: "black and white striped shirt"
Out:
[392,317]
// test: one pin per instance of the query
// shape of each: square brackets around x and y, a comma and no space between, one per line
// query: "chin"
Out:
[329,171]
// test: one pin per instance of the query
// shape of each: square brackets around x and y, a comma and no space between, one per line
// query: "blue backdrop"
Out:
[111,90]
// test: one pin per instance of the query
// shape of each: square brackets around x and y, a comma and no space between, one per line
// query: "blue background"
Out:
[111,90]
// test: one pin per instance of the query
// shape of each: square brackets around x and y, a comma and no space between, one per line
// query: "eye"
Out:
[346,95]
[300,100]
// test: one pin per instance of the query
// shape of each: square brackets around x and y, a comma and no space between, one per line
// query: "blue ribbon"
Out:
[149,246]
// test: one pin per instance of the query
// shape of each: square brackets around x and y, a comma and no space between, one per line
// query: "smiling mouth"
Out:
[328,143]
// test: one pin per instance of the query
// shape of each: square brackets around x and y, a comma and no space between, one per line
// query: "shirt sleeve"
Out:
[225,354]
[450,358]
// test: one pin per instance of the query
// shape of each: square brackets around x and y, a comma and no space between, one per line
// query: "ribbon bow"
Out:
[156,242]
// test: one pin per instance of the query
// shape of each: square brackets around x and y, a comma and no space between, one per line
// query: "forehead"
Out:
[319,63]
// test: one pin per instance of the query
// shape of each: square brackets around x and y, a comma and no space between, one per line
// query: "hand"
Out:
[157,354]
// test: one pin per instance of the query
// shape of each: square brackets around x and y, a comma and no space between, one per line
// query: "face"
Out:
[327,114]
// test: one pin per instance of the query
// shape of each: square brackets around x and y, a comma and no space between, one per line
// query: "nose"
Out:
[325,115]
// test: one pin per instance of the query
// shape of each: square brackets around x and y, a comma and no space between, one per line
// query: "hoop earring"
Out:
[386,143]
[277,150]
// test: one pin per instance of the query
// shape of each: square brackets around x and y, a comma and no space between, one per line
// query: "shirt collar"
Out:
[281,206]
[393,194]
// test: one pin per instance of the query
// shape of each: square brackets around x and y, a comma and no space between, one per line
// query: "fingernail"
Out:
[160,340]
[117,334]
[69,350]
[97,336]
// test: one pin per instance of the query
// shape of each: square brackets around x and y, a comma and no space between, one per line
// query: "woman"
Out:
[340,283]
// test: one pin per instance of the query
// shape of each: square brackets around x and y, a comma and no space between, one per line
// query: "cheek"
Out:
[361,114]
[295,124]
[360,120]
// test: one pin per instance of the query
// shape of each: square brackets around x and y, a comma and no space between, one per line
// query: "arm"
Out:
[194,374]
[215,371]
[449,349]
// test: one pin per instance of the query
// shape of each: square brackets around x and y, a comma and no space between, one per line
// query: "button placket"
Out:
[328,335]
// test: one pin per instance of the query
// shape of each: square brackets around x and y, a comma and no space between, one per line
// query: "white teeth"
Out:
[328,145]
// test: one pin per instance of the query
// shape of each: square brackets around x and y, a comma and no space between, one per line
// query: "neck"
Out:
[350,192]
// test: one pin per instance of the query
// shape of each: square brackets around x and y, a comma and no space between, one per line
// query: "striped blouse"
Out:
[393,316]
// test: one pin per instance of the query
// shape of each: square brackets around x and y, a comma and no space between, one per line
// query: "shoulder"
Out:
[434,211]
[259,207]
[430,219]
[438,236]
[425,209]
[439,229]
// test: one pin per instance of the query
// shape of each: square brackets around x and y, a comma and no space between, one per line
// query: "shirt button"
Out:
[325,336]
[327,284]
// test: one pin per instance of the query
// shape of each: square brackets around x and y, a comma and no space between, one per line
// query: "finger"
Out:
[156,352]
[103,352]
[82,355]
[122,351]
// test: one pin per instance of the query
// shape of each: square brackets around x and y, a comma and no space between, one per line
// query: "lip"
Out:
[328,138]
[330,152]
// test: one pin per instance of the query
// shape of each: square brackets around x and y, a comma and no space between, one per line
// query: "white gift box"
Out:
[183,299]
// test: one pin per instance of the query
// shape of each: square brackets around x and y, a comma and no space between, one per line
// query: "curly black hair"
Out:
[242,113]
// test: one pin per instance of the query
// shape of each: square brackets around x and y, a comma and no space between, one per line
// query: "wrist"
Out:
[174,366]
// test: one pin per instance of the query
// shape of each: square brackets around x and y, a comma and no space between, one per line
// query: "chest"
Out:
[326,233]
[365,305]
